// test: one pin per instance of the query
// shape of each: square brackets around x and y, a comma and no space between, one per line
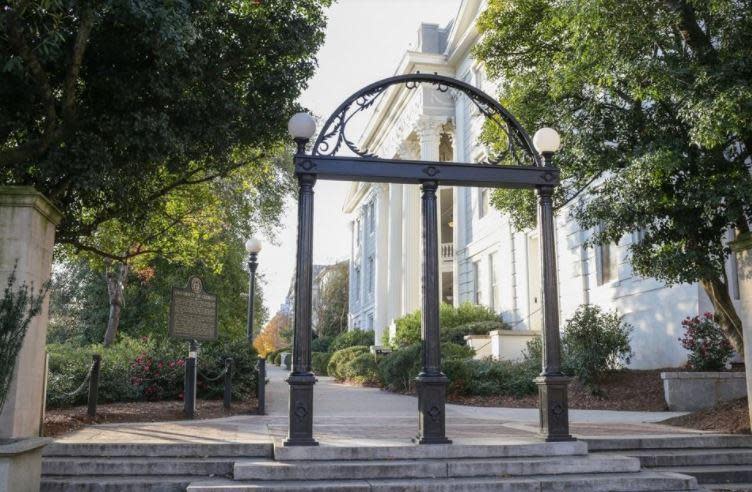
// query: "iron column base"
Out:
[554,407]
[431,409]
[300,432]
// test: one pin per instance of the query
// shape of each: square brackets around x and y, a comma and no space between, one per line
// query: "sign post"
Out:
[193,316]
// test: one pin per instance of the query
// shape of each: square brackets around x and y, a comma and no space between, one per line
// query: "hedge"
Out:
[352,338]
[362,369]
[342,357]
[319,362]
[408,326]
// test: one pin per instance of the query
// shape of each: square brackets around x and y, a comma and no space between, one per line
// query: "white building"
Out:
[483,259]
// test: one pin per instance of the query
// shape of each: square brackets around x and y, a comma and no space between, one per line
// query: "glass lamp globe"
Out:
[546,140]
[253,245]
[301,126]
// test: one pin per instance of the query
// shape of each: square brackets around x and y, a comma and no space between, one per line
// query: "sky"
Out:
[365,40]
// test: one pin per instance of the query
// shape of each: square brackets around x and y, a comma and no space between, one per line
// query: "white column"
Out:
[394,281]
[381,291]
[410,236]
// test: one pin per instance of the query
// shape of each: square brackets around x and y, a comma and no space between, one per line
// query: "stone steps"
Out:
[688,457]
[712,459]
[98,483]
[613,482]
[248,450]
[119,465]
[714,474]
[429,468]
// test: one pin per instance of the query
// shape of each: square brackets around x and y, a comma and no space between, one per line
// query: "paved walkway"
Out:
[349,414]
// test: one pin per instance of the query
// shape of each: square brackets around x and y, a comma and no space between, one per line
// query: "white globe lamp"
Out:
[301,126]
[253,246]
[546,141]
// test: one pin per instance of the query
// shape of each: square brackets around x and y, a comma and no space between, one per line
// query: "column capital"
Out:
[429,127]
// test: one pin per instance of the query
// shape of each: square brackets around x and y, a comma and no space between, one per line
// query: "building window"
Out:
[483,201]
[494,280]
[371,218]
[607,260]
[476,282]
[370,274]
[357,284]
[369,325]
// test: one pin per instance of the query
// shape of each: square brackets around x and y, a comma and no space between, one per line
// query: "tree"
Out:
[654,104]
[273,336]
[107,107]
[332,304]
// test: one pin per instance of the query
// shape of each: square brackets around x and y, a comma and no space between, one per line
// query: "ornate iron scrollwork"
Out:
[519,148]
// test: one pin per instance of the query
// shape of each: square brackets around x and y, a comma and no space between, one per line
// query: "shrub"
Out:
[362,369]
[319,361]
[147,368]
[399,368]
[451,351]
[352,338]
[322,344]
[278,358]
[490,377]
[342,357]
[709,349]
[408,326]
[457,334]
[594,343]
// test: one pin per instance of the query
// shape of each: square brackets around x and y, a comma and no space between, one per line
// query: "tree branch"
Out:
[76,59]
[691,32]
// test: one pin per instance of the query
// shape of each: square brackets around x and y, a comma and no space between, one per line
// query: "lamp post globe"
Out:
[546,141]
[253,247]
[301,126]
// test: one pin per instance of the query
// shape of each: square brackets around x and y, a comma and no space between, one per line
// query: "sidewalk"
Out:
[350,414]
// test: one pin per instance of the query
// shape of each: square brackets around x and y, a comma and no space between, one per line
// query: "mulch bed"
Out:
[623,390]
[61,421]
[731,417]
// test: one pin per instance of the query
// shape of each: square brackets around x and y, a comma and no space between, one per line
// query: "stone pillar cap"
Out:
[27,196]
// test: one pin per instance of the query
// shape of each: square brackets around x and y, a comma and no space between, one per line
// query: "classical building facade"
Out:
[484,259]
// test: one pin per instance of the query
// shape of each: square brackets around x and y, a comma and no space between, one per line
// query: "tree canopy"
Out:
[654,105]
[107,106]
[332,304]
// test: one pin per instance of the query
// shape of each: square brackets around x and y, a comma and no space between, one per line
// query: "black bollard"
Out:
[96,361]
[261,386]
[228,382]
[189,388]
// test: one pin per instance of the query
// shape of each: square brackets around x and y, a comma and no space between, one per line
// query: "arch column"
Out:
[552,384]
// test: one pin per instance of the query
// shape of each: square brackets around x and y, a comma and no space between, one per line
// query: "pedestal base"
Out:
[300,432]
[431,409]
[553,407]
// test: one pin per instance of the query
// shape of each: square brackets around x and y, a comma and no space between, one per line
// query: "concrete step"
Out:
[246,450]
[104,483]
[434,451]
[687,457]
[734,487]
[704,441]
[714,474]
[127,465]
[633,482]
[428,468]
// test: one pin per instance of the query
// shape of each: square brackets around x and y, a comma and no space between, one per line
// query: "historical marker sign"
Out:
[193,312]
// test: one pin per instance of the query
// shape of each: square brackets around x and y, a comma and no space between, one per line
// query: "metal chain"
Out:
[209,379]
[78,390]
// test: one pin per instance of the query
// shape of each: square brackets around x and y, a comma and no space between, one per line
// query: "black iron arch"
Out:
[332,137]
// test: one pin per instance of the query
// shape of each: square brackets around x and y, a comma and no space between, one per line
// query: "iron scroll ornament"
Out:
[332,137]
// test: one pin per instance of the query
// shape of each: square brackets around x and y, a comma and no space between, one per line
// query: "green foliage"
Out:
[490,377]
[146,368]
[594,343]
[457,334]
[352,338]
[321,344]
[319,362]
[17,308]
[408,326]
[362,369]
[654,105]
[335,367]
[106,131]
[709,349]
[399,369]
[333,301]
[451,351]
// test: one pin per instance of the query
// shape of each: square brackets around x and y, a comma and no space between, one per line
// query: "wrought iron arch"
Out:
[332,136]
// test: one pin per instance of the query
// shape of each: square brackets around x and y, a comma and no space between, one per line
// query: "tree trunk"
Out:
[731,324]
[116,280]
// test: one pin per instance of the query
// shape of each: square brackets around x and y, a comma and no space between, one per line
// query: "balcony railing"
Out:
[447,252]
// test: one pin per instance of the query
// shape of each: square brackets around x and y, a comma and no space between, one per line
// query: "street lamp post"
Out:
[253,246]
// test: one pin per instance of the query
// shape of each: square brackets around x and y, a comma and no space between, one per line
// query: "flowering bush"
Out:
[158,379]
[709,349]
